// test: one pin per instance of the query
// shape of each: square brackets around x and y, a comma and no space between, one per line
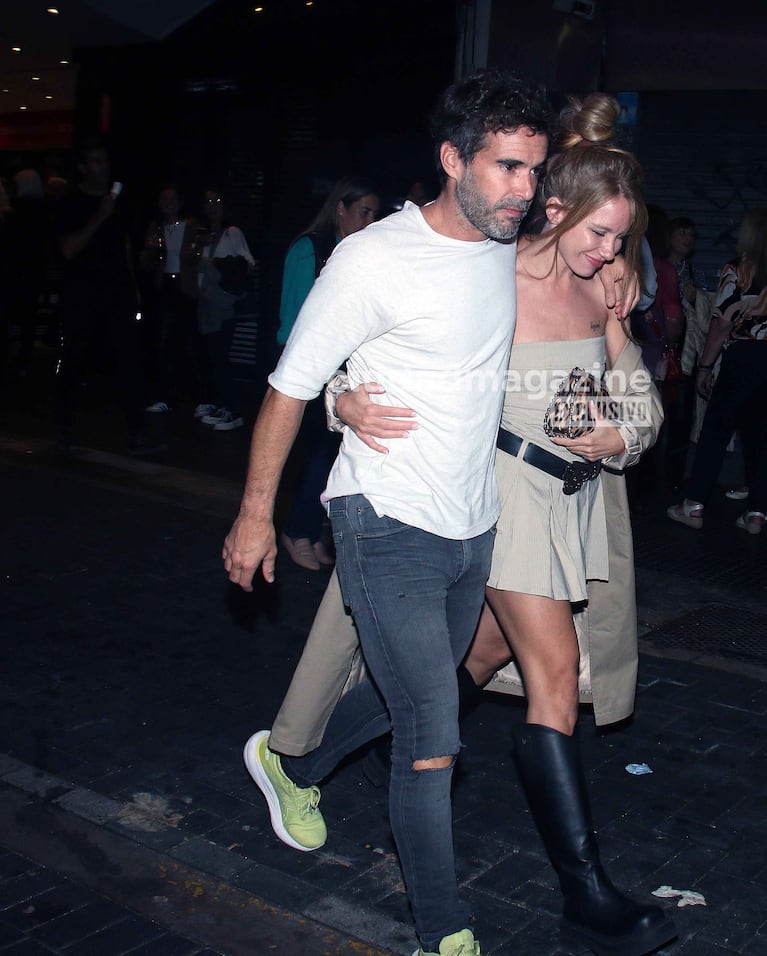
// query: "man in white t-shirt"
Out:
[423,303]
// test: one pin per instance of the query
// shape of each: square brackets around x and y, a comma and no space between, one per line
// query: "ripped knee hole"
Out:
[435,763]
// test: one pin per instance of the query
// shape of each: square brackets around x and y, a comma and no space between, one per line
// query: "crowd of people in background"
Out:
[156,316]
[191,267]
[693,336]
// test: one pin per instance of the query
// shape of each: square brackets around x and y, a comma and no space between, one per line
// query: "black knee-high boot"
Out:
[594,911]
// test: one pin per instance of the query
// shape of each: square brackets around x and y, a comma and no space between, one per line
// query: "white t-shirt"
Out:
[431,319]
[231,243]
[174,238]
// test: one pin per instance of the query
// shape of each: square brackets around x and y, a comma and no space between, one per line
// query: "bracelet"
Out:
[705,368]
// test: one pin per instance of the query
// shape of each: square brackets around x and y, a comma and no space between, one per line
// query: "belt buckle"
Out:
[577,473]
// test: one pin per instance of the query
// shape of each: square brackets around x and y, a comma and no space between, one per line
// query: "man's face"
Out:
[95,170]
[169,204]
[495,190]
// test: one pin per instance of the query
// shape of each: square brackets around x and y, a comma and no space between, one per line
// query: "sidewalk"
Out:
[132,674]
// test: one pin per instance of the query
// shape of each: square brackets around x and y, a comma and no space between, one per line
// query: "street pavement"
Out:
[132,673]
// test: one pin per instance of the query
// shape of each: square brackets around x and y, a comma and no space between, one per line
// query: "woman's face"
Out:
[596,239]
[682,241]
[356,215]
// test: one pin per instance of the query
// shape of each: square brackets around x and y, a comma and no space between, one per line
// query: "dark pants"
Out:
[317,449]
[674,438]
[220,387]
[738,392]
[25,295]
[173,361]
[94,317]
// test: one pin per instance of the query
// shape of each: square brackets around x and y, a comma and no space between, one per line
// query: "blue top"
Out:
[297,280]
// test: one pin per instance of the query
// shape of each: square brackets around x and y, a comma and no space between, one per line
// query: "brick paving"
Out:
[132,673]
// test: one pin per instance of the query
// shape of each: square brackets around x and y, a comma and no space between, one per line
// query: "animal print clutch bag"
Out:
[568,414]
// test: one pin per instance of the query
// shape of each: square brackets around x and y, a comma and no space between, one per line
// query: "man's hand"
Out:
[252,541]
[249,543]
[370,421]
[105,208]
[605,440]
[621,287]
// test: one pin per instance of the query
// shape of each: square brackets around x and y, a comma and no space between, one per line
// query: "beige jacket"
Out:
[331,660]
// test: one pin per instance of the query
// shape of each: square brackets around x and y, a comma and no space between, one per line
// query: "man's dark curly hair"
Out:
[486,102]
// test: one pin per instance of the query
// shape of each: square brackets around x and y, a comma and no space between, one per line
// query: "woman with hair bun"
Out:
[554,547]
[563,516]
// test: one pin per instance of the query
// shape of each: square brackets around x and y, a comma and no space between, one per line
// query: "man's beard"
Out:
[483,216]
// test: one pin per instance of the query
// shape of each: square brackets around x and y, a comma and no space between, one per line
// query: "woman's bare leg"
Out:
[489,650]
[541,634]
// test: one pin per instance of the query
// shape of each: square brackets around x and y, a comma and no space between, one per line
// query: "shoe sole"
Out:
[264,784]
[652,939]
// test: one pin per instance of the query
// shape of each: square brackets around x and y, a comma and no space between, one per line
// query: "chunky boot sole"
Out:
[631,944]
[596,913]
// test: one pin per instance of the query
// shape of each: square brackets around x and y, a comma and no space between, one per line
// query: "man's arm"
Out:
[73,244]
[251,540]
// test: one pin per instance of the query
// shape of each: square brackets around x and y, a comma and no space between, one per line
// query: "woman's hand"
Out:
[704,382]
[370,421]
[605,440]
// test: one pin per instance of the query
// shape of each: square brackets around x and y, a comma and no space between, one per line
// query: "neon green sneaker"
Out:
[459,944]
[293,810]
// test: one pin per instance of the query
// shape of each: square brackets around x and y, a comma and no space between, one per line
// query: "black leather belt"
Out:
[573,474]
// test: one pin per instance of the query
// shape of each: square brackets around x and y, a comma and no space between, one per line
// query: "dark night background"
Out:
[272,107]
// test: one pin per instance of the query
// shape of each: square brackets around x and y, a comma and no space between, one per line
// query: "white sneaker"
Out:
[228,422]
[751,521]
[215,416]
[203,409]
[687,512]
[158,407]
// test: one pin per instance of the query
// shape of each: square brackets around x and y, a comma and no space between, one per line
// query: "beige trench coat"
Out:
[607,631]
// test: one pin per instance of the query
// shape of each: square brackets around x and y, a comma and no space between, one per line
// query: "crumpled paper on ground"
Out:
[638,768]
[686,897]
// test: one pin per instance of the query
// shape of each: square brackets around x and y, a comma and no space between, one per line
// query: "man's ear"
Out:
[451,161]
